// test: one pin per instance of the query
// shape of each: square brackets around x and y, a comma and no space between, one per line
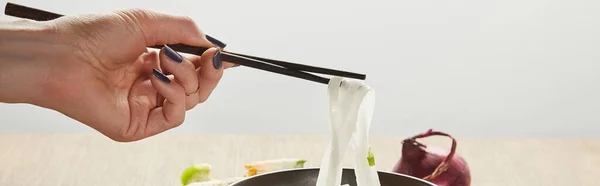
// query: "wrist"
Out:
[25,50]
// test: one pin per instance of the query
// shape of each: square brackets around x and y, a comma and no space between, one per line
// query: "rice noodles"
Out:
[351,106]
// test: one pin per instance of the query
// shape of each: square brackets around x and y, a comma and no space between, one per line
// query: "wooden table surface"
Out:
[91,159]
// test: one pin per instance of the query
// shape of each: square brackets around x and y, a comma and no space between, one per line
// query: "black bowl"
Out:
[308,177]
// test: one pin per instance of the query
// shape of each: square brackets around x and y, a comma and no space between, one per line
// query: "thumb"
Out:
[159,28]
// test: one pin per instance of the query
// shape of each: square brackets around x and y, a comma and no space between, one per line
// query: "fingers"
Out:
[172,112]
[173,88]
[209,72]
[160,29]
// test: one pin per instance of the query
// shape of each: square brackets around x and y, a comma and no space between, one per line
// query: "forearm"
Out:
[24,53]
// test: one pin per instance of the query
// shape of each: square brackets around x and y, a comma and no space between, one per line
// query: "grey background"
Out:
[468,67]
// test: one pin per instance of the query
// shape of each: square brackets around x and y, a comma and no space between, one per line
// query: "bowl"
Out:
[308,177]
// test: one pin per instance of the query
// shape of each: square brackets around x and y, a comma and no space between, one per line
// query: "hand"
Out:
[97,70]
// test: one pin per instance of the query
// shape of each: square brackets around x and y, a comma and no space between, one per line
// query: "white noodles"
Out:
[350,111]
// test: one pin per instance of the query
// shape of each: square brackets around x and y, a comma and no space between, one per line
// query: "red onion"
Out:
[437,165]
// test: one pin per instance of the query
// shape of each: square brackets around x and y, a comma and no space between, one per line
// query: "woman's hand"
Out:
[96,69]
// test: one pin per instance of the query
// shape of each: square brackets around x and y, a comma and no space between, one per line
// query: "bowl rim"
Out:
[317,168]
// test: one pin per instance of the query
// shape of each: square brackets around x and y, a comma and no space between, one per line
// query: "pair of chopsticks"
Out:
[271,65]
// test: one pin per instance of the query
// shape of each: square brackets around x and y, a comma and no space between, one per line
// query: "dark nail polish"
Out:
[217,63]
[161,76]
[172,54]
[216,41]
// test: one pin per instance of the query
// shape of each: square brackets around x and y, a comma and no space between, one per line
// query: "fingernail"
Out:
[161,76]
[216,41]
[217,63]
[172,54]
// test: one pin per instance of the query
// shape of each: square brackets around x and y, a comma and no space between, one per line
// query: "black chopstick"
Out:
[287,68]
[288,65]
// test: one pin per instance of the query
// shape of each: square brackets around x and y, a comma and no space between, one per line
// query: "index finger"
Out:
[160,28]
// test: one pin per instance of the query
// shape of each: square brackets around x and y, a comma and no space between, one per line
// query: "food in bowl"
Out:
[351,106]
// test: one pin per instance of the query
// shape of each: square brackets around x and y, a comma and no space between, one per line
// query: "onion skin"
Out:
[440,166]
